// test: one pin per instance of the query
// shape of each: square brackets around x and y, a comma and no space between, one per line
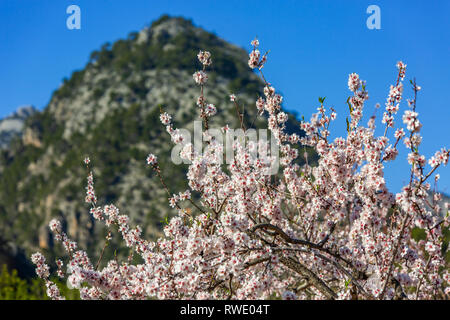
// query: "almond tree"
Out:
[328,231]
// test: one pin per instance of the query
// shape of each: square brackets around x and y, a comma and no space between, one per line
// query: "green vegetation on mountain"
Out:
[109,111]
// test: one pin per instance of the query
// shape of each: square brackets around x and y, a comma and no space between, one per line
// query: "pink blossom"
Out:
[325,230]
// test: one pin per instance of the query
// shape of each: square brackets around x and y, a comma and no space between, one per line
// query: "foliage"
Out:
[12,287]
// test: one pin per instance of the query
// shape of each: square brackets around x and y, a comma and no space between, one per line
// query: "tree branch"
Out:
[311,276]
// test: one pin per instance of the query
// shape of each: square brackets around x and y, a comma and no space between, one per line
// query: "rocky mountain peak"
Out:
[166,26]
[154,65]
[12,125]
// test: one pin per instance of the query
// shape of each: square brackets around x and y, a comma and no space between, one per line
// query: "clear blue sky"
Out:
[314,46]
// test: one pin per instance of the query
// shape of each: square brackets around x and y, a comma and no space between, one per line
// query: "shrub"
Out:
[12,287]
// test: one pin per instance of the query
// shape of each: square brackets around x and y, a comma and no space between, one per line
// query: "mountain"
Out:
[109,111]
[12,125]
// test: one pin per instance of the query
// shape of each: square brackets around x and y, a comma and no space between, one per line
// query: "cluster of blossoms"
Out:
[411,121]
[165,118]
[204,57]
[353,82]
[43,271]
[152,159]
[440,157]
[182,196]
[200,77]
[90,193]
[255,60]
[326,231]
[394,97]
[210,110]
[356,102]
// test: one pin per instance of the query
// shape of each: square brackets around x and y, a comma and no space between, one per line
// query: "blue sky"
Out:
[314,46]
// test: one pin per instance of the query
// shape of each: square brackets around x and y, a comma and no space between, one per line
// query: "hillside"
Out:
[110,111]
